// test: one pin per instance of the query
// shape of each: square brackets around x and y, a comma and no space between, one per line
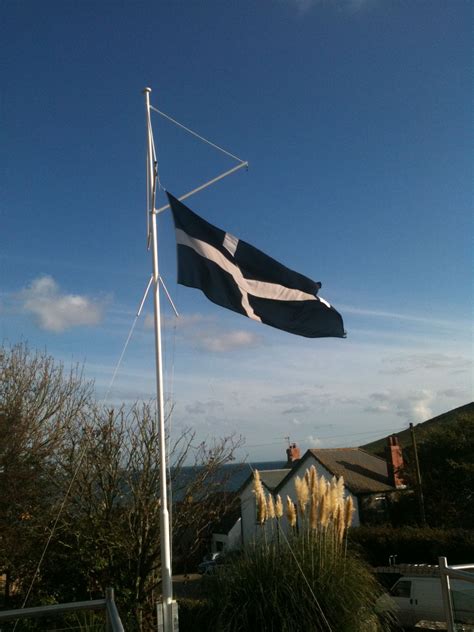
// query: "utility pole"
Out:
[419,490]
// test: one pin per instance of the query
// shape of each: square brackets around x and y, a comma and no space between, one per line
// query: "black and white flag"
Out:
[234,274]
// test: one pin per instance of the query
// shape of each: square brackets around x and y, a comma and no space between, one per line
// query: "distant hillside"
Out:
[462,413]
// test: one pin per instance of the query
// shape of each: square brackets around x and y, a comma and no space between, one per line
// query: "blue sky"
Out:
[355,117]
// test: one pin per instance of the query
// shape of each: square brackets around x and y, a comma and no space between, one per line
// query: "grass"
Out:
[304,580]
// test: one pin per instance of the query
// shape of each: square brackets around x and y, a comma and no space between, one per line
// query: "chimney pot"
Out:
[292,454]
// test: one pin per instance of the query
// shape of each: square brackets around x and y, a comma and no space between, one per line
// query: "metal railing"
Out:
[447,573]
[113,622]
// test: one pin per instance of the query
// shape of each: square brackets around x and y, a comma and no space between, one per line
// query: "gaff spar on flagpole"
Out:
[234,275]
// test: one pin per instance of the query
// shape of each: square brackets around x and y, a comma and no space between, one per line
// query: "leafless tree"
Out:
[113,517]
[58,448]
[39,400]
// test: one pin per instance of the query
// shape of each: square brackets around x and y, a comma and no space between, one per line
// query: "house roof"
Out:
[227,521]
[269,478]
[363,473]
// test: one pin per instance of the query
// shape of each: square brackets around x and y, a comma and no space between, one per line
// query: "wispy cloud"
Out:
[403,316]
[312,441]
[204,408]
[207,334]
[457,393]
[290,396]
[410,363]
[183,321]
[56,311]
[227,341]
[297,408]
[303,6]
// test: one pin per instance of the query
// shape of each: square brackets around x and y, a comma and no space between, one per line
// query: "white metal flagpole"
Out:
[165,540]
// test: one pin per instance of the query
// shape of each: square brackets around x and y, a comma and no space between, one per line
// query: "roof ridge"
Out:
[277,469]
[333,449]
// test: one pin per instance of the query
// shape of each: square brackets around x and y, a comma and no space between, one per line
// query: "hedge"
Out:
[412,545]
[194,615]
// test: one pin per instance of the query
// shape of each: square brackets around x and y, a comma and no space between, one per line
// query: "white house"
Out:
[367,478]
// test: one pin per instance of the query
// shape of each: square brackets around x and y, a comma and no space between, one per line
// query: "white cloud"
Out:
[56,311]
[227,341]
[207,334]
[313,441]
[411,405]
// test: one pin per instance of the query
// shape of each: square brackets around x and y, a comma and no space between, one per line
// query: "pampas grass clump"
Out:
[304,580]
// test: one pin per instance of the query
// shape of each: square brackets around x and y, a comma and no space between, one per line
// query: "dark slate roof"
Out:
[226,523]
[269,478]
[363,473]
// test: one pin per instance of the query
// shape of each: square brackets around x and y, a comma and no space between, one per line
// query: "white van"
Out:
[417,599]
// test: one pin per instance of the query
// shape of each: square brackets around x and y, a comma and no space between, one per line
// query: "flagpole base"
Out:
[174,627]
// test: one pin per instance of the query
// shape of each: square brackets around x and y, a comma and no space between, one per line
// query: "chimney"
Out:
[395,462]
[292,454]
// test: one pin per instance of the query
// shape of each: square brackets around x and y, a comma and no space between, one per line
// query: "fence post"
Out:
[446,592]
[109,597]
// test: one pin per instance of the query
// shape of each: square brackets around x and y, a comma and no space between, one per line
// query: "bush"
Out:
[269,589]
[305,581]
[412,545]
[194,615]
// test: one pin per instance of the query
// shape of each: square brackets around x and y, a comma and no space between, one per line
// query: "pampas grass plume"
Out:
[278,507]
[324,510]
[348,511]
[340,524]
[313,480]
[270,507]
[290,512]
[302,493]
[313,512]
[261,508]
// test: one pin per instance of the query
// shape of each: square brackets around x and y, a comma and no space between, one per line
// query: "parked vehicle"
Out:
[416,599]
[209,563]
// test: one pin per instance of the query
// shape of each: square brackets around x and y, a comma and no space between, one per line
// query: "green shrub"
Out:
[306,581]
[270,590]
[194,615]
[412,545]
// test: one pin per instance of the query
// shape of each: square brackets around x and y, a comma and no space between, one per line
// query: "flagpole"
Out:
[165,540]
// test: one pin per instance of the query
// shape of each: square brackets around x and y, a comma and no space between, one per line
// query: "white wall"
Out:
[231,540]
[248,512]
[288,488]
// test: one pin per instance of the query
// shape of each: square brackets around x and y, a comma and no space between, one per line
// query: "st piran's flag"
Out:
[234,274]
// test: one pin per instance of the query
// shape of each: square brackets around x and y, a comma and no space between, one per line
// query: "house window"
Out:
[374,508]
